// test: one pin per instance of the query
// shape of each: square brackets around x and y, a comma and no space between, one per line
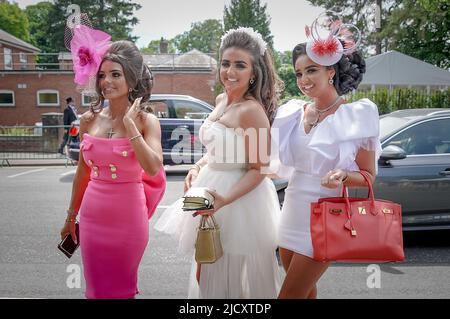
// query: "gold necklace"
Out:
[321,111]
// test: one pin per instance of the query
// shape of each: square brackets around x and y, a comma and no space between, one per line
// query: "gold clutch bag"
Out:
[197,198]
[208,248]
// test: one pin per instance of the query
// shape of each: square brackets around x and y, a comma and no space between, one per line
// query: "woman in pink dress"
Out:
[119,178]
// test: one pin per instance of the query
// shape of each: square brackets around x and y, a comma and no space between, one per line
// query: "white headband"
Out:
[256,36]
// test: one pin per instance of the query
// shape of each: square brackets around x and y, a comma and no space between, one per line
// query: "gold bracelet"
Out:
[135,137]
[70,220]
[71,216]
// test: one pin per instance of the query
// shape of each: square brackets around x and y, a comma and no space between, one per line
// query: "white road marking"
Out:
[27,172]
[69,172]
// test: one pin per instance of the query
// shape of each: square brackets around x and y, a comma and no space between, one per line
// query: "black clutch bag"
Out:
[67,245]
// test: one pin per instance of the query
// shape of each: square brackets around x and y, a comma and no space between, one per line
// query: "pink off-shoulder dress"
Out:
[114,213]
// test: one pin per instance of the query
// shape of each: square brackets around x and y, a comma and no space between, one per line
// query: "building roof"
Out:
[395,68]
[193,59]
[11,40]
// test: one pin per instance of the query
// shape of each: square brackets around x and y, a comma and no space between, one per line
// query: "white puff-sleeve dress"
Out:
[306,158]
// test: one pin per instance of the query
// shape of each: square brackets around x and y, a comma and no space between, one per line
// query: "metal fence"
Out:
[32,143]
[13,62]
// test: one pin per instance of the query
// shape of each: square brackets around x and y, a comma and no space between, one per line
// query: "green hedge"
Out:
[397,99]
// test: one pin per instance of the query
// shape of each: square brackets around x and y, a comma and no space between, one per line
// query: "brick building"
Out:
[29,89]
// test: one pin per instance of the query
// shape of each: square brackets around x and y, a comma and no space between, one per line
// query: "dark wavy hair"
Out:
[349,69]
[267,85]
[137,74]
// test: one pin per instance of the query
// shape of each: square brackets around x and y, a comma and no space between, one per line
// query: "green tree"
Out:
[115,17]
[248,13]
[38,15]
[153,47]
[13,20]
[39,29]
[203,36]
[420,30]
[287,75]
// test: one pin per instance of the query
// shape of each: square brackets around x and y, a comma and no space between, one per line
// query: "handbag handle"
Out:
[349,224]
[369,185]
[208,222]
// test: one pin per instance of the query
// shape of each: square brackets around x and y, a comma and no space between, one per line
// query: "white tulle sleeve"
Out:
[286,120]
[353,126]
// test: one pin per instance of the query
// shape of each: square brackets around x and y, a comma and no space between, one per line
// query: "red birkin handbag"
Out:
[357,229]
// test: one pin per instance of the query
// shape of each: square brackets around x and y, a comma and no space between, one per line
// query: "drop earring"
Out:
[330,81]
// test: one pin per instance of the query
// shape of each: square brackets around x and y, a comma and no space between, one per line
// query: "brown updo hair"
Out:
[349,69]
[137,74]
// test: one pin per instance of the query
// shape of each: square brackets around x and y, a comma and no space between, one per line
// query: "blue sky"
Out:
[167,18]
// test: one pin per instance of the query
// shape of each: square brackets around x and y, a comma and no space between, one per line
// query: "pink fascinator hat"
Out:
[88,46]
[329,38]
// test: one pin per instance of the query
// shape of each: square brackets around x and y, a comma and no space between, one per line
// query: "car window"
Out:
[190,110]
[160,108]
[388,124]
[431,137]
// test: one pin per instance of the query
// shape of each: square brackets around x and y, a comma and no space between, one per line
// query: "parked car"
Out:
[180,117]
[414,167]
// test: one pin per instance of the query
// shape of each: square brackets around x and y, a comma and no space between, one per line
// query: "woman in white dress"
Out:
[322,145]
[246,204]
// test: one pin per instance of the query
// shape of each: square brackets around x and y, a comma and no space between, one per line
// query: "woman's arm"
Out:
[144,132]
[366,162]
[79,184]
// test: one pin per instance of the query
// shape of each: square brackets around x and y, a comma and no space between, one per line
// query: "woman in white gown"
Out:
[321,146]
[246,204]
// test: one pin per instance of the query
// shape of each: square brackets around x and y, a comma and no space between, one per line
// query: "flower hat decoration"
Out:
[339,38]
[88,46]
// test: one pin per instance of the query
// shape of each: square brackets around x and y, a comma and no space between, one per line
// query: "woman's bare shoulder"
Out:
[253,114]
[220,97]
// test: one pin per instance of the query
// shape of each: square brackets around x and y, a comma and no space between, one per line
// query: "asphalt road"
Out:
[32,210]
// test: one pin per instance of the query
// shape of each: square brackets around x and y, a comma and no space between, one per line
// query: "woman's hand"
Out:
[334,178]
[133,113]
[190,178]
[219,202]
[69,228]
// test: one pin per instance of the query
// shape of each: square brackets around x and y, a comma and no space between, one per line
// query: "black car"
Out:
[414,167]
[180,117]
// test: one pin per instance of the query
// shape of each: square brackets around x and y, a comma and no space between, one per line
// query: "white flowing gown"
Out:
[249,267]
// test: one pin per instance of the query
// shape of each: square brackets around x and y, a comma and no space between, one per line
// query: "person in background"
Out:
[70,115]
